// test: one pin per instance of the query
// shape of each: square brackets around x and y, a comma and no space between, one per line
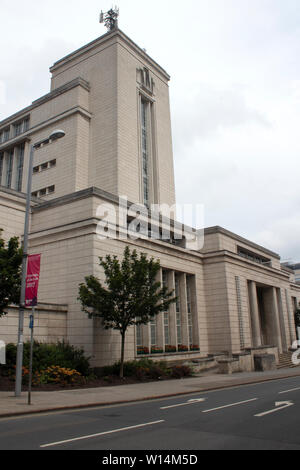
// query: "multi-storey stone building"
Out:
[112,101]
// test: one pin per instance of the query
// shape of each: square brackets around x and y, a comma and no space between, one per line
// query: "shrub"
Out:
[141,369]
[61,354]
[58,375]
[178,372]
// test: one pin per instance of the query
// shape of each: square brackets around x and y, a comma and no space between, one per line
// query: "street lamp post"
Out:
[58,134]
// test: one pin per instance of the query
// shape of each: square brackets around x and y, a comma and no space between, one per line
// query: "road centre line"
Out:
[229,406]
[100,434]
[288,391]
[190,402]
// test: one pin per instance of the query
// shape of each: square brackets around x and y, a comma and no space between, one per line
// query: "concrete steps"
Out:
[285,361]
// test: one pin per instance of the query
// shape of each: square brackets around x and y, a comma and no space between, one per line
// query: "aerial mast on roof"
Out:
[110,19]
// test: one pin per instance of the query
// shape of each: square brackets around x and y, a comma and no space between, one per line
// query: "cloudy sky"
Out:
[235,96]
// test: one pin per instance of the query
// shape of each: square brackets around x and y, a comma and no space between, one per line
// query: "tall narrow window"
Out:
[145,152]
[6,134]
[153,332]
[189,311]
[18,128]
[26,124]
[178,310]
[1,166]
[166,314]
[139,336]
[20,167]
[9,169]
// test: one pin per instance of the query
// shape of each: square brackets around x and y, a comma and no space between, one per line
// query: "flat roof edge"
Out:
[223,231]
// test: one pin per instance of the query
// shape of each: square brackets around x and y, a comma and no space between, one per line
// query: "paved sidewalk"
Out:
[73,399]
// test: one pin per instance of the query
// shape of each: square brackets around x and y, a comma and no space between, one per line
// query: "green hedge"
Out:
[145,368]
[45,355]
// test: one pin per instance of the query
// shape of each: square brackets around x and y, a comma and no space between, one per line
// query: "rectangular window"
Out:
[178,310]
[51,189]
[153,332]
[26,125]
[139,336]
[21,149]
[255,258]
[166,314]
[18,128]
[9,170]
[6,134]
[145,152]
[1,166]
[189,311]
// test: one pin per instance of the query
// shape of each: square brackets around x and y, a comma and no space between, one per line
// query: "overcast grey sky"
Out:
[235,96]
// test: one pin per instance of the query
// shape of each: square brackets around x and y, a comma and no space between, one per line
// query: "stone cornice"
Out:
[223,231]
[219,256]
[117,33]
[11,193]
[44,99]
[111,198]
[89,227]
[27,136]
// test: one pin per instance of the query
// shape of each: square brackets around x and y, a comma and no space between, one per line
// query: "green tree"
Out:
[132,294]
[10,273]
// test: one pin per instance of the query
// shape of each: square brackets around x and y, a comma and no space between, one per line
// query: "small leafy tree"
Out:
[10,273]
[132,295]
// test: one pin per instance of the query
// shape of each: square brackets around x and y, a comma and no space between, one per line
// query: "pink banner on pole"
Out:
[32,280]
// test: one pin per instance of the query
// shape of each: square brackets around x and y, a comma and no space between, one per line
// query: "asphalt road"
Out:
[263,416]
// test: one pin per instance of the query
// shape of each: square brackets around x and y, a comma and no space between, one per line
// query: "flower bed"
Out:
[156,350]
[170,349]
[194,347]
[182,348]
[142,350]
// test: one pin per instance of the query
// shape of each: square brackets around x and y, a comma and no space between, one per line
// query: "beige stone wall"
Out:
[223,312]
[64,232]
[70,251]
[217,238]
[50,324]
[12,214]
[67,109]
[217,309]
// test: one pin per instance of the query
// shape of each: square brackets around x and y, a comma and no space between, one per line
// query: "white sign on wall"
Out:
[2,353]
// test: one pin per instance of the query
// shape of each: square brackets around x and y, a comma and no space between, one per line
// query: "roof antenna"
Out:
[110,18]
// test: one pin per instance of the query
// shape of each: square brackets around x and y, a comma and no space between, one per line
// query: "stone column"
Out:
[283,326]
[193,290]
[293,334]
[254,312]
[277,329]
[184,310]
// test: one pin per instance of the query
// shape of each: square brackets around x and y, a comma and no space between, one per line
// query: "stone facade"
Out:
[112,101]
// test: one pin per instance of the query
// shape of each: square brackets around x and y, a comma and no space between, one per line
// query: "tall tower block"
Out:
[128,137]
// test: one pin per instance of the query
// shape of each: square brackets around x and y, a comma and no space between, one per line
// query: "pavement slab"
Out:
[84,398]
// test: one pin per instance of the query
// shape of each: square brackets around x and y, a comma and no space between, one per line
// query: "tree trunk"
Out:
[122,355]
